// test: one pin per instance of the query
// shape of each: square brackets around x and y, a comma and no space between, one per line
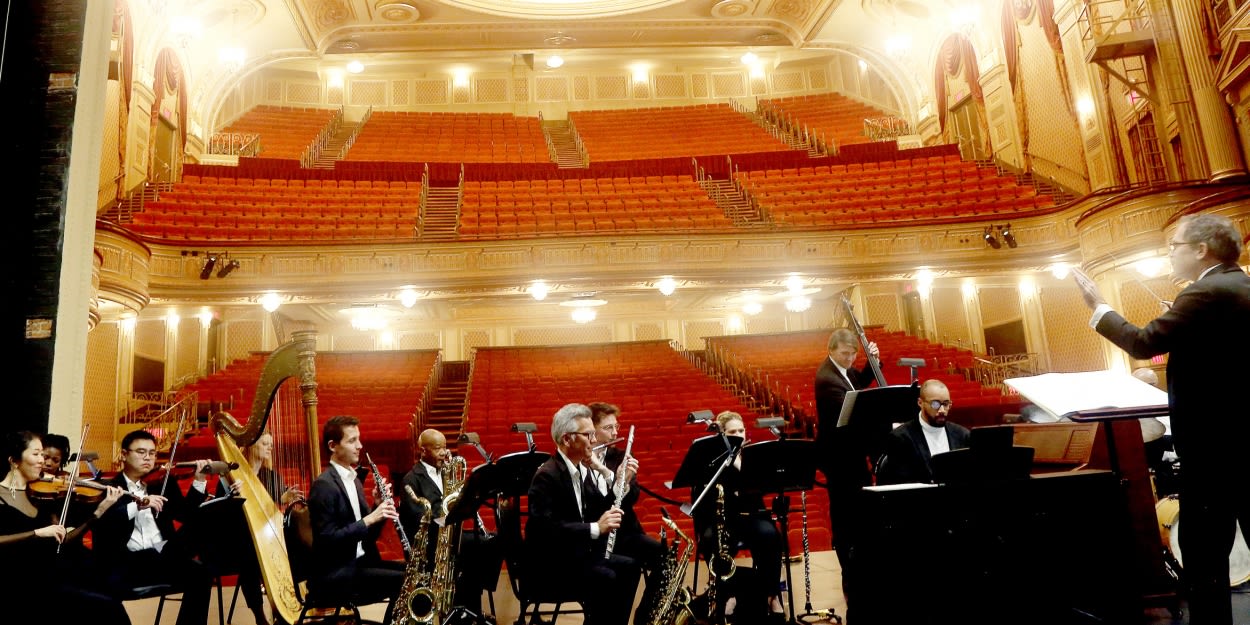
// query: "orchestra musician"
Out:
[631,539]
[910,446]
[242,556]
[345,559]
[48,581]
[478,557]
[844,466]
[137,543]
[748,523]
[570,518]
[55,454]
[1205,334]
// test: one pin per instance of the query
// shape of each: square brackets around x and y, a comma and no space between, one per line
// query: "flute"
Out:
[385,489]
[620,487]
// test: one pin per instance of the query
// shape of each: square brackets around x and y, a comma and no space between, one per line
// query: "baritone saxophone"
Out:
[415,591]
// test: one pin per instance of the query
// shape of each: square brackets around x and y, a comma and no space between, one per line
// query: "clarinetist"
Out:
[346,563]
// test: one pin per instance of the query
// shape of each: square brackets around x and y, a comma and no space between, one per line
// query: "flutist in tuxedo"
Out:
[570,517]
[631,539]
[345,559]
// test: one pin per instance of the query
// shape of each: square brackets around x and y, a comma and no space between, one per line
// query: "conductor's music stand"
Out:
[775,468]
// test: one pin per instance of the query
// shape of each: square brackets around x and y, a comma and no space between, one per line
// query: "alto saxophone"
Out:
[721,565]
[671,606]
[415,589]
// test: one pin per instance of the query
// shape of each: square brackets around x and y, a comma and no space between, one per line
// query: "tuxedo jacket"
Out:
[410,511]
[907,457]
[557,532]
[1206,334]
[335,528]
[110,534]
[842,465]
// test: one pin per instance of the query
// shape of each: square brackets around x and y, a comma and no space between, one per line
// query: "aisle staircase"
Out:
[563,140]
[440,212]
[446,407]
[334,149]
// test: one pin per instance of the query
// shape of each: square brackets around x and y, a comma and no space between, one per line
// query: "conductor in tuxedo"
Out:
[569,521]
[843,462]
[910,446]
[345,560]
[1206,336]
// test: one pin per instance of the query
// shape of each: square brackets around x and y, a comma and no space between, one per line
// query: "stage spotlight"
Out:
[1009,237]
[227,267]
[207,271]
[990,239]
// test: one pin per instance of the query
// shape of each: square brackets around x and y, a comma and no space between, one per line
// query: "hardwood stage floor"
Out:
[826,594]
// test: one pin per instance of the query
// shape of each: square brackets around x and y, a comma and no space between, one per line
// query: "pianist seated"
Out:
[910,446]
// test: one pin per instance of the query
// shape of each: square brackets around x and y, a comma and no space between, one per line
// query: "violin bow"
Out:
[173,449]
[69,480]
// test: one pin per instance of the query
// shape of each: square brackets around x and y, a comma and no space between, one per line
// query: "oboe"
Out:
[620,487]
[385,488]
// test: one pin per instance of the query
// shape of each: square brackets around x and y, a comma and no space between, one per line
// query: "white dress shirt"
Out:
[575,471]
[349,484]
[147,534]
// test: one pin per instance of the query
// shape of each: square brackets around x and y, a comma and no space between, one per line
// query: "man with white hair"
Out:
[570,518]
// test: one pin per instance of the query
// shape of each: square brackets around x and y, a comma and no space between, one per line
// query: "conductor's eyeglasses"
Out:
[1172,245]
[938,404]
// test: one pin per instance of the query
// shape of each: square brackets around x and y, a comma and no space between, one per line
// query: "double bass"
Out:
[873,361]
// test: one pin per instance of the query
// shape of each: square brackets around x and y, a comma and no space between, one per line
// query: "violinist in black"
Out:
[52,581]
[137,542]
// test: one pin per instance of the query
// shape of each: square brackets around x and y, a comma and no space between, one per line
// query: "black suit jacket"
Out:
[410,511]
[557,533]
[838,461]
[907,454]
[1206,334]
[110,534]
[335,528]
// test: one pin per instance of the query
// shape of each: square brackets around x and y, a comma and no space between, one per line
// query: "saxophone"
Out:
[443,576]
[721,565]
[415,592]
[671,606]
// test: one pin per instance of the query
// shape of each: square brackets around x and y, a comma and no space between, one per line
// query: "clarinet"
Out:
[385,488]
[620,487]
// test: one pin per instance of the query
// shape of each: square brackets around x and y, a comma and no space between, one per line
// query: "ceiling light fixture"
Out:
[408,297]
[584,301]
[798,304]
[271,301]
[749,58]
[555,61]
[355,67]
[752,308]
[1060,270]
[538,290]
[794,283]
[584,315]
[666,285]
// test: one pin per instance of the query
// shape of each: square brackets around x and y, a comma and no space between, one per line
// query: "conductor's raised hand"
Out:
[1089,291]
[609,520]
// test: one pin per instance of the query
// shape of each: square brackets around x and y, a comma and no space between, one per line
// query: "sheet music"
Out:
[1062,394]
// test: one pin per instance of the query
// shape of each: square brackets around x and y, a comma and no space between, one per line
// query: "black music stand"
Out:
[775,468]
[704,461]
[868,415]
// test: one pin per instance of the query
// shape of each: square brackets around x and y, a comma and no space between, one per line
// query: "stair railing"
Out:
[351,138]
[422,410]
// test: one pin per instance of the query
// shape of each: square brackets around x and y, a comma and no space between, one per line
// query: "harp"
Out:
[291,365]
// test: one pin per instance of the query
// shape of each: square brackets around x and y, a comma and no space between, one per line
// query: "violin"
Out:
[49,488]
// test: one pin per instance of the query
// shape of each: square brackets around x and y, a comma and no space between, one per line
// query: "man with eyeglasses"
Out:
[631,539]
[1206,334]
[137,544]
[570,517]
[910,446]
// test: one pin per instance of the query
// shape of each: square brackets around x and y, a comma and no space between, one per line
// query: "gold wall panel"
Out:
[999,305]
[1074,346]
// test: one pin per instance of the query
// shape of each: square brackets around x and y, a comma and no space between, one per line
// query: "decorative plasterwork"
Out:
[1234,65]
[540,9]
[124,268]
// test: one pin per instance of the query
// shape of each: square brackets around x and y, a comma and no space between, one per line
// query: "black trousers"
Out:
[1210,508]
[172,565]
